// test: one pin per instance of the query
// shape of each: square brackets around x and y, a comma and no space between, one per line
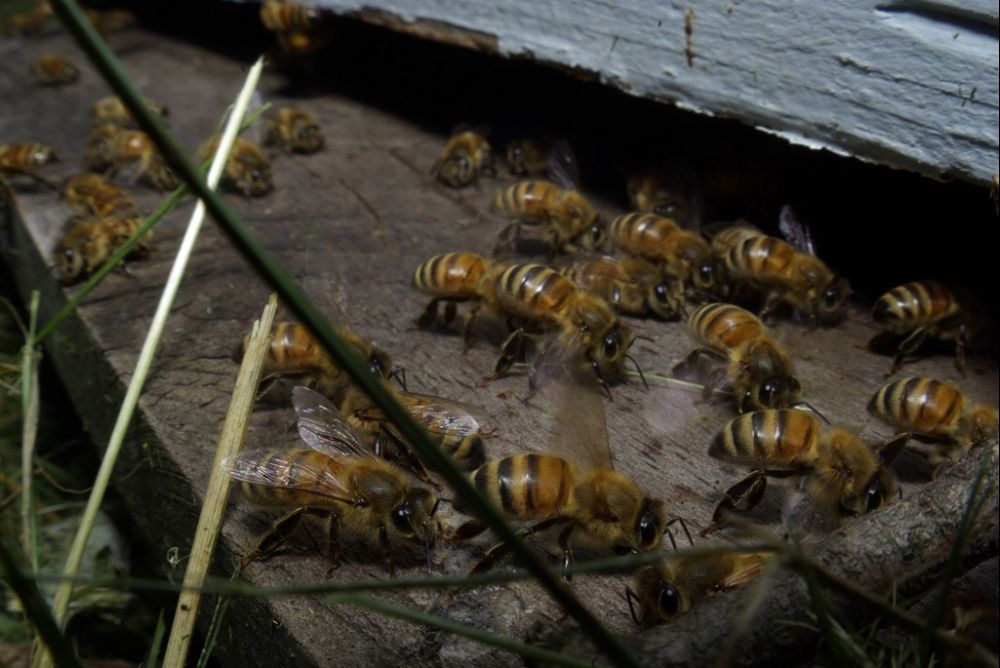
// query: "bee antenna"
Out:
[678,520]
[644,338]
[630,596]
[810,407]
[641,375]
[399,375]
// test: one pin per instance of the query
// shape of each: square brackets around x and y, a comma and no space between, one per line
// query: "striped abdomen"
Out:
[284,17]
[452,275]
[527,487]
[922,405]
[723,327]
[642,233]
[782,436]
[25,156]
[468,450]
[728,237]
[293,350]
[913,305]
[532,291]
[762,257]
[528,200]
[297,477]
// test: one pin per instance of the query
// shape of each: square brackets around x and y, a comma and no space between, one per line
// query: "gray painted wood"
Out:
[908,83]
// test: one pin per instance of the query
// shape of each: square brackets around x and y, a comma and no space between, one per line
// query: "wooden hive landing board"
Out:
[352,222]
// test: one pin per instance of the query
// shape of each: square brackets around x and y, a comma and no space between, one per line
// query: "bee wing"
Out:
[562,167]
[811,509]
[750,567]
[444,416]
[276,469]
[795,231]
[322,426]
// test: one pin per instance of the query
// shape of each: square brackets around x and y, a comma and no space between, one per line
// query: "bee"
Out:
[839,473]
[295,354]
[295,130]
[247,170]
[725,235]
[543,157]
[89,243]
[457,427]
[936,410]
[786,275]
[666,194]
[534,297]
[130,152]
[575,487]
[675,585]
[53,70]
[25,158]
[631,285]
[465,156]
[569,221]
[280,17]
[108,21]
[748,361]
[337,479]
[90,194]
[681,254]
[919,310]
[29,23]
[111,110]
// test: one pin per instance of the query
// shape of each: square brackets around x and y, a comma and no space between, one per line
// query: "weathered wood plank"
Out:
[353,222]
[905,84]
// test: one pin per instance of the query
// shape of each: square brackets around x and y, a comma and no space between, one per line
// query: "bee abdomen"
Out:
[535,288]
[780,436]
[454,275]
[760,256]
[921,404]
[915,303]
[468,450]
[724,326]
[526,487]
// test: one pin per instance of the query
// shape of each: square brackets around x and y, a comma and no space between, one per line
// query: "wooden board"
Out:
[352,222]
[900,83]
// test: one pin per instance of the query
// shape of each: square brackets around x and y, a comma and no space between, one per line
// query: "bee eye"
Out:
[876,494]
[611,346]
[597,233]
[255,174]
[666,209]
[660,291]
[401,518]
[831,296]
[375,367]
[768,391]
[649,532]
[667,600]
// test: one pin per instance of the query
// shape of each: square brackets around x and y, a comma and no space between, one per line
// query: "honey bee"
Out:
[786,275]
[919,310]
[129,152]
[295,354]
[936,410]
[282,16]
[666,194]
[247,171]
[337,479]
[465,156]
[569,221]
[108,21]
[456,426]
[535,298]
[89,243]
[89,194]
[53,70]
[631,285]
[543,157]
[111,110]
[295,130]
[724,236]
[29,23]
[575,488]
[747,361]
[839,473]
[681,254]
[25,158]
[675,585]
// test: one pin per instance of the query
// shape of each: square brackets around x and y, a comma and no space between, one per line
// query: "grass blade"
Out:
[221,605]
[153,655]
[29,433]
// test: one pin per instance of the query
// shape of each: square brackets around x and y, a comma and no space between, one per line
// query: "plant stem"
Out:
[29,434]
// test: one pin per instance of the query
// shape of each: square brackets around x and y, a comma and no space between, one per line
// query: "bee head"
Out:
[708,276]
[308,138]
[661,600]
[984,423]
[457,171]
[258,180]
[665,300]
[379,363]
[515,158]
[413,519]
[70,263]
[778,392]
[42,155]
[832,302]
[650,526]
[593,237]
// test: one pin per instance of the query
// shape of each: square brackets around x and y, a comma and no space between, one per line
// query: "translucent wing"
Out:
[795,231]
[440,416]
[749,567]
[812,509]
[286,470]
[322,426]
[562,167]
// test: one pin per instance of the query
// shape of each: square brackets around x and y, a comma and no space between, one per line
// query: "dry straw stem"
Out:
[64,590]
[29,432]
[230,441]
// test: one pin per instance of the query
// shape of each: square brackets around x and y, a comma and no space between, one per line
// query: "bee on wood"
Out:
[111,110]
[681,254]
[631,285]
[89,194]
[744,359]
[130,153]
[574,486]
[337,479]
[466,155]
[294,130]
[675,585]
[29,23]
[917,311]
[666,193]
[25,158]
[52,70]
[788,276]
[297,26]
[247,170]
[838,472]
[89,243]
[936,410]
[568,220]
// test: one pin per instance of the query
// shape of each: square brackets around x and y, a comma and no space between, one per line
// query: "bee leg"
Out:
[678,520]
[450,309]
[567,551]
[740,497]
[631,596]
[385,548]
[510,351]
[468,530]
[332,525]
[429,316]
[960,341]
[500,549]
[770,303]
[470,323]
[908,346]
[279,532]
